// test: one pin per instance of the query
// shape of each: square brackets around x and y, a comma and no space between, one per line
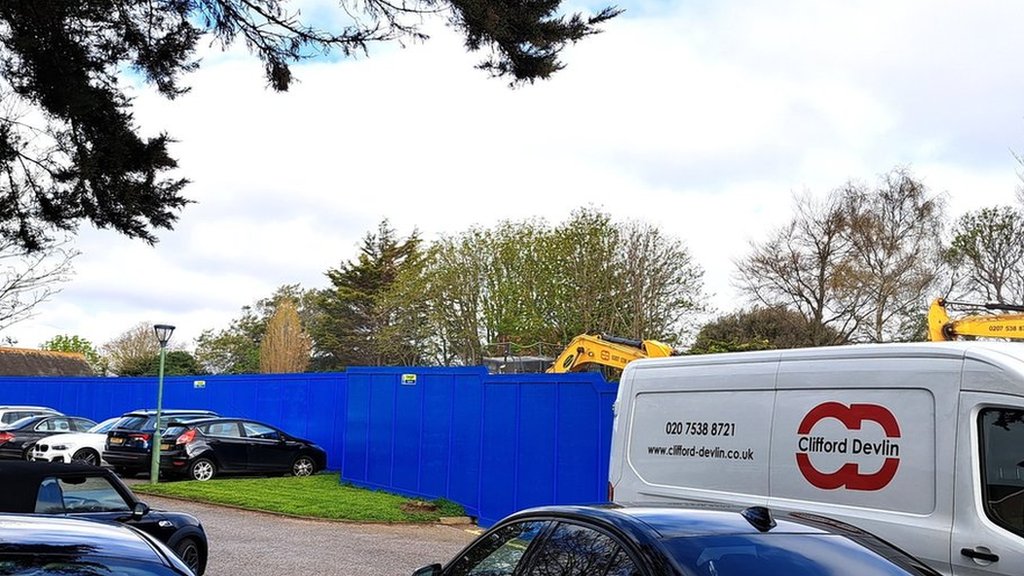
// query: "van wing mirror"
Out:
[432,570]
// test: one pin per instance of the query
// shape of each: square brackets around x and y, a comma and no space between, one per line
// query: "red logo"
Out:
[849,475]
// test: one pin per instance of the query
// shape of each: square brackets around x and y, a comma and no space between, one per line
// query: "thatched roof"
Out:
[29,362]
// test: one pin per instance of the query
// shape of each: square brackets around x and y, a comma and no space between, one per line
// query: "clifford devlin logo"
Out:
[849,475]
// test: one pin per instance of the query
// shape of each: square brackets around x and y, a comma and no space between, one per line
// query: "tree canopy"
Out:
[69,147]
[859,264]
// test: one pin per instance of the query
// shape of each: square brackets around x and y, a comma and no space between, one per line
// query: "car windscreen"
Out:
[788,554]
[136,423]
[105,426]
[175,429]
[17,424]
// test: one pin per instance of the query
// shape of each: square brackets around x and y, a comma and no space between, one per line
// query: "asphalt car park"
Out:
[259,544]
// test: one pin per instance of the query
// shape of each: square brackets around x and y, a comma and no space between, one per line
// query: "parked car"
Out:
[9,414]
[202,449]
[84,447]
[696,541]
[18,438]
[42,546]
[82,491]
[128,447]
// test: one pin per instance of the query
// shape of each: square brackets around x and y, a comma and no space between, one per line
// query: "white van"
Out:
[922,444]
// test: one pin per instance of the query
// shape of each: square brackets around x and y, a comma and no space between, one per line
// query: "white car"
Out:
[84,447]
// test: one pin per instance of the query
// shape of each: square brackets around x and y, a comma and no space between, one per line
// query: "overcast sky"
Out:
[703,118]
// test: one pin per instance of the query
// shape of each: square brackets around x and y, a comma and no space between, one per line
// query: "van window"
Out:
[1002,451]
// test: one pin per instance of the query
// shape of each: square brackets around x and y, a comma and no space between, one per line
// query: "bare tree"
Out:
[806,266]
[895,239]
[286,346]
[29,278]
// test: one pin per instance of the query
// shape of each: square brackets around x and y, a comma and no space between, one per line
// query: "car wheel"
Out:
[86,456]
[191,554]
[27,454]
[202,469]
[125,472]
[303,466]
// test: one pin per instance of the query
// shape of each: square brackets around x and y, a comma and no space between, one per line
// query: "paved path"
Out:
[257,544]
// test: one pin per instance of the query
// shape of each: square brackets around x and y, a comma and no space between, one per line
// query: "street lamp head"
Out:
[163,333]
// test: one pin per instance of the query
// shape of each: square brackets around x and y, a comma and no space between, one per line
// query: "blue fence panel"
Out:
[493,443]
[466,441]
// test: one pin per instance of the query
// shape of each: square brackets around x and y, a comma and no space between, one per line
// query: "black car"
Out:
[697,541]
[19,437]
[129,444]
[201,449]
[84,491]
[41,546]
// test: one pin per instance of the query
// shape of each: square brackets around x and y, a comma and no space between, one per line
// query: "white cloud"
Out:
[701,118]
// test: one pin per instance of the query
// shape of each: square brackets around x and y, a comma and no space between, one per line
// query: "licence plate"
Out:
[165,446]
[116,440]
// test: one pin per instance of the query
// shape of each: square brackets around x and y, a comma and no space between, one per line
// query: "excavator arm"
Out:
[941,327]
[587,350]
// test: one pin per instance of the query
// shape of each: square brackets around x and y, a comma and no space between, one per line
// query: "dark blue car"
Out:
[49,546]
[81,491]
[696,541]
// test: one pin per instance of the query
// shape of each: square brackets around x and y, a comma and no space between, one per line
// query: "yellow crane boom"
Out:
[941,327]
[587,350]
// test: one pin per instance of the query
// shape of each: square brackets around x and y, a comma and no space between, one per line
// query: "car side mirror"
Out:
[432,570]
[139,510]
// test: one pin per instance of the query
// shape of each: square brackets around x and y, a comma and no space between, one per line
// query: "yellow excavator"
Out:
[610,354]
[1010,324]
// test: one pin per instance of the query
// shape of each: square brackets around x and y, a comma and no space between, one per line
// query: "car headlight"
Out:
[59,447]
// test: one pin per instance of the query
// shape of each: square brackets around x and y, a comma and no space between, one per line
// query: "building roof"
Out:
[31,362]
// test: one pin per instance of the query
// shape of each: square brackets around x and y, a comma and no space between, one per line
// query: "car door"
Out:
[42,429]
[988,523]
[269,449]
[502,552]
[97,498]
[228,444]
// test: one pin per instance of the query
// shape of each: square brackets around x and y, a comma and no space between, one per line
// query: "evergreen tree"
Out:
[69,148]
[366,318]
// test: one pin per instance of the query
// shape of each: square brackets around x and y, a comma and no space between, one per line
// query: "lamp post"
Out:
[163,335]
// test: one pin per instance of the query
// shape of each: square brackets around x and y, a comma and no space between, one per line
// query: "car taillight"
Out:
[6,436]
[143,437]
[186,437]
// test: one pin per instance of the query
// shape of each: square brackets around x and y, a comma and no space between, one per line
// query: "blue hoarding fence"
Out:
[492,443]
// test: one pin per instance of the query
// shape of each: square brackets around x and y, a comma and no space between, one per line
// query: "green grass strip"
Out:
[317,496]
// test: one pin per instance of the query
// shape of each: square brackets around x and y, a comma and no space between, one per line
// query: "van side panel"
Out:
[717,440]
[863,439]
[699,430]
[869,448]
